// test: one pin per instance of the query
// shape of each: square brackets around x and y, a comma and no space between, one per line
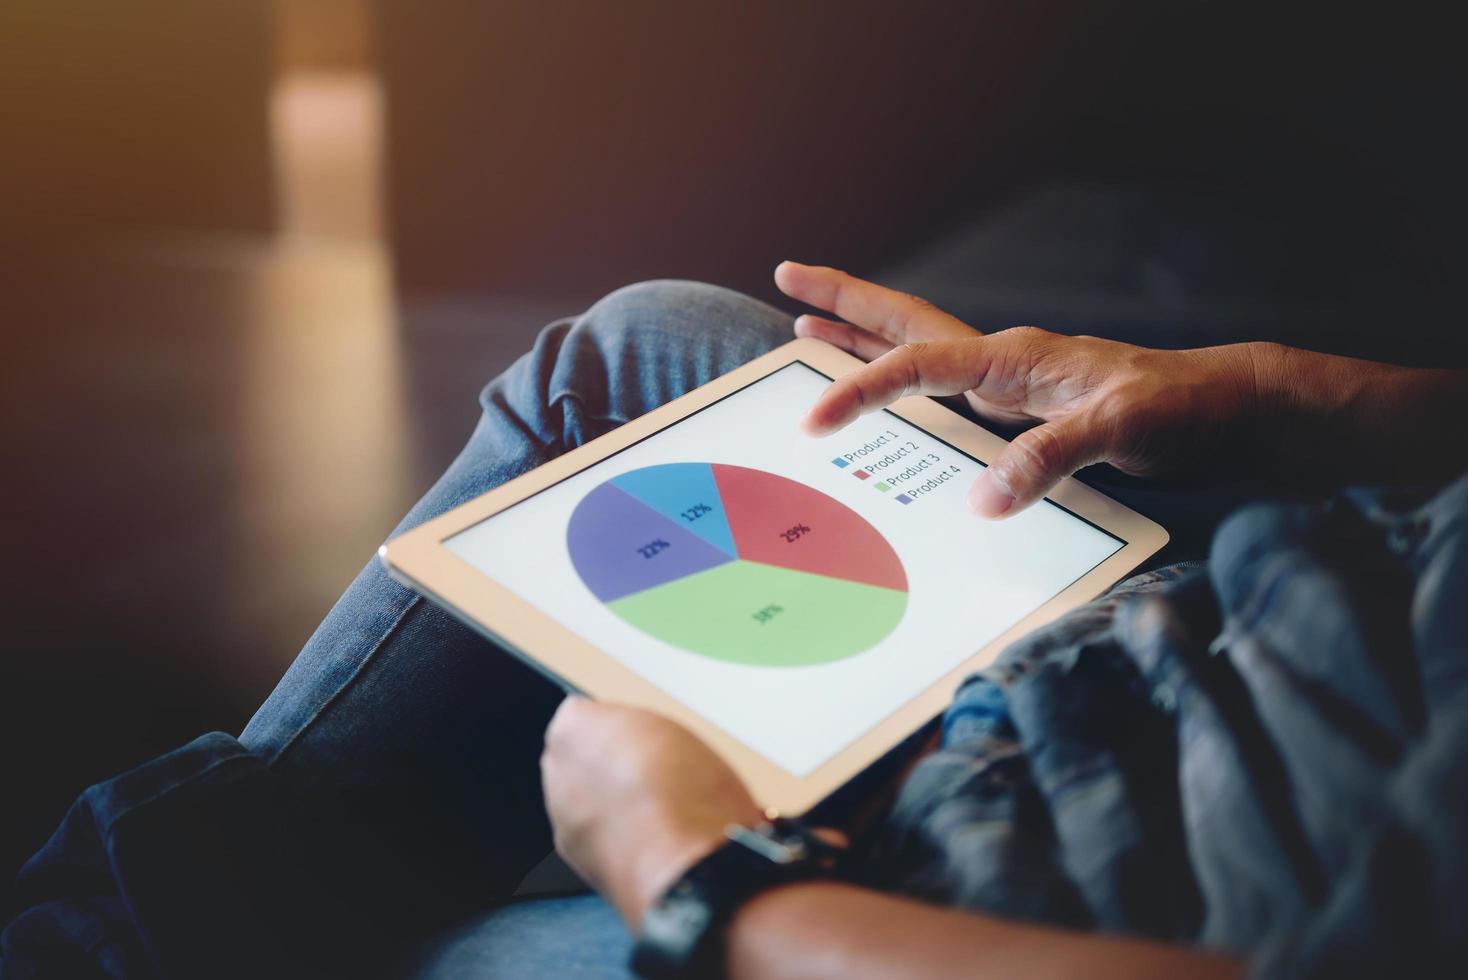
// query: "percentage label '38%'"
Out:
[766,614]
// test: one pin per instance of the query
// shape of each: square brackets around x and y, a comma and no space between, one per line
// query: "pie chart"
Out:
[737,564]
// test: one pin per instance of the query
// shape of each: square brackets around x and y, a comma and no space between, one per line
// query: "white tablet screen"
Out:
[793,591]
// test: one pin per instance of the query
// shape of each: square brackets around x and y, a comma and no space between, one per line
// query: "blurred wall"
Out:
[116,117]
[555,145]
[322,35]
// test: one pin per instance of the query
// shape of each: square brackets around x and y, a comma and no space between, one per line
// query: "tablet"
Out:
[802,604]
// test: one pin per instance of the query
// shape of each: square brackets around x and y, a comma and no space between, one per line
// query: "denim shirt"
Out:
[1264,754]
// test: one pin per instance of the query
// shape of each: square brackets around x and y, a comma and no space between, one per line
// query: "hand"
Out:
[635,799]
[1147,412]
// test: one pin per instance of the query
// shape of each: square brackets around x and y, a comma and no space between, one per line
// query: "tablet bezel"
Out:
[418,558]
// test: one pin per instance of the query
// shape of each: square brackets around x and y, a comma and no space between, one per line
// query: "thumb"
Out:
[1034,462]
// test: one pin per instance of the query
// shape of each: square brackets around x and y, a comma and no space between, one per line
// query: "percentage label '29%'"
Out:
[652,548]
[766,614]
[795,533]
[696,511]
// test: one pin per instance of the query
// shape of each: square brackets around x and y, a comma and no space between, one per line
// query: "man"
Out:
[1253,766]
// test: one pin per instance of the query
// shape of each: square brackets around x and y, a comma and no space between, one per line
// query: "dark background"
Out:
[256,258]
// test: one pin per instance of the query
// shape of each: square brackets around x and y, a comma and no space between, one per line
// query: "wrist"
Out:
[668,854]
[1280,401]
[683,934]
[1256,372]
[1306,401]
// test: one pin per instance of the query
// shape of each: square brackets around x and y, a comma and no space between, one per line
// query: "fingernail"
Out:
[990,496]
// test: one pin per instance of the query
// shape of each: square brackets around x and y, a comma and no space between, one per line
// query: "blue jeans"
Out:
[421,730]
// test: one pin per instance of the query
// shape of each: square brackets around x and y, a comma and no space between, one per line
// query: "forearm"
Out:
[1329,418]
[831,930]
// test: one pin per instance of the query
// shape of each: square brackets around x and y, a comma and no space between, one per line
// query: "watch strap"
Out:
[683,932]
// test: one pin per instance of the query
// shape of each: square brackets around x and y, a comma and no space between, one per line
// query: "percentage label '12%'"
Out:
[696,511]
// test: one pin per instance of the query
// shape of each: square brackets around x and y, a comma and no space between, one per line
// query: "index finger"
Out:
[939,368]
[895,316]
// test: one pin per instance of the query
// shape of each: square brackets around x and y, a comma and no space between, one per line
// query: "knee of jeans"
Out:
[684,312]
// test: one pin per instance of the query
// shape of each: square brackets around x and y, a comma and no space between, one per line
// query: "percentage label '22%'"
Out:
[652,548]
[795,533]
[766,614]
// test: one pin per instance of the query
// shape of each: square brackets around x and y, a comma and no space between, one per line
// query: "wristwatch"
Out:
[683,932]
